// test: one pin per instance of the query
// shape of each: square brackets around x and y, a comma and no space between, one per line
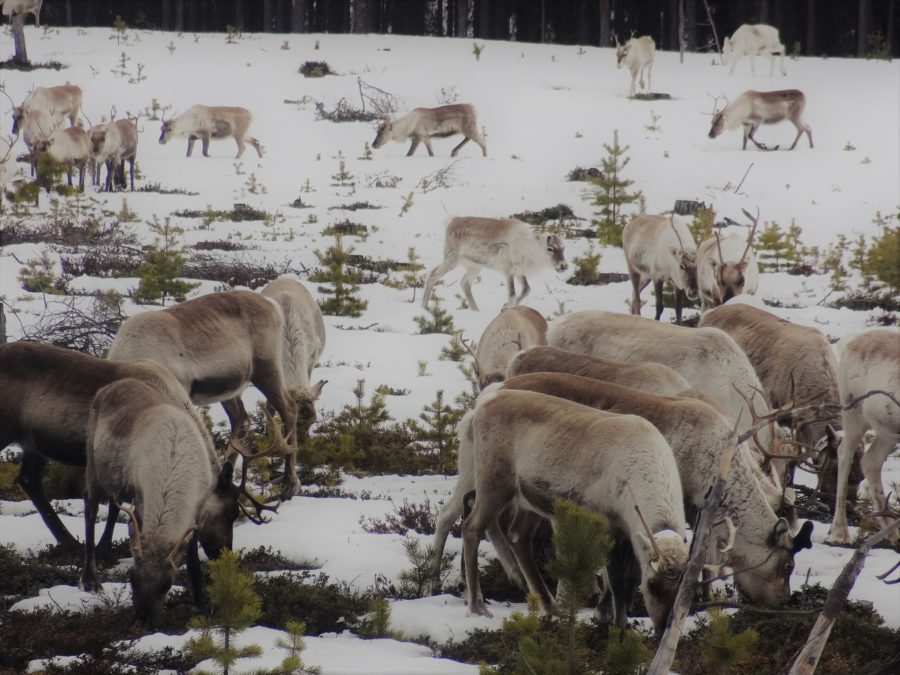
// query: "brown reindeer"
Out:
[514,329]
[216,345]
[210,122]
[423,124]
[753,108]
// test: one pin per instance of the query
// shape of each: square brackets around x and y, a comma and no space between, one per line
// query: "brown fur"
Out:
[423,124]
[753,108]
[206,122]
[514,329]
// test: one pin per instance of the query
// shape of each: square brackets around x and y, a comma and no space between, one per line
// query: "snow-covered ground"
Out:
[546,109]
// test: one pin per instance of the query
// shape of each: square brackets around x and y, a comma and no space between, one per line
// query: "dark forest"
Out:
[808,27]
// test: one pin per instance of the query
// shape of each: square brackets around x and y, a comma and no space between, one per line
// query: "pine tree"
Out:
[724,649]
[162,267]
[235,607]
[612,193]
[437,432]
[344,299]
[625,652]
[294,644]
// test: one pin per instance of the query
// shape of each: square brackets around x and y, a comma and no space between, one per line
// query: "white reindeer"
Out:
[58,102]
[11,7]
[514,329]
[869,385]
[750,40]
[112,144]
[761,550]
[726,268]
[531,449]
[794,363]
[637,54]
[216,345]
[658,249]
[423,124]
[506,245]
[753,108]
[151,447]
[708,358]
[70,147]
[210,122]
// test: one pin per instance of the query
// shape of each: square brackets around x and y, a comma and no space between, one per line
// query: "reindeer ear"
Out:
[317,388]
[781,533]
[803,539]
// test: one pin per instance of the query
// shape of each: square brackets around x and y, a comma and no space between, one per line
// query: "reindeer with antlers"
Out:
[658,249]
[753,108]
[514,329]
[726,267]
[151,447]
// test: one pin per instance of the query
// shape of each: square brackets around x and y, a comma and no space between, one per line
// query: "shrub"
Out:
[586,269]
[315,69]
[162,267]
[882,260]
[324,606]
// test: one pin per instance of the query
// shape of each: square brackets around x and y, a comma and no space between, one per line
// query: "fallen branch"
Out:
[811,652]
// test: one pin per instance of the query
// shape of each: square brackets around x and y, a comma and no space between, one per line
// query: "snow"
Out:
[546,109]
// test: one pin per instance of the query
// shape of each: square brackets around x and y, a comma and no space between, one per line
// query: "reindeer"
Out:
[750,40]
[652,253]
[531,449]
[869,386]
[58,102]
[726,267]
[48,418]
[793,362]
[637,54]
[514,329]
[761,550]
[150,446]
[506,245]
[423,124]
[11,7]
[70,147]
[708,358]
[753,108]
[206,122]
[112,143]
[215,345]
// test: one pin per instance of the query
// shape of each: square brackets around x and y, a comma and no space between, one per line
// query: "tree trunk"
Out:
[681,32]
[69,13]
[810,27]
[713,26]
[763,11]
[364,16]
[808,659]
[864,27]
[2,326]
[690,25]
[298,16]
[268,20]
[18,30]
[604,23]
[179,15]
[462,18]
[583,25]
[483,24]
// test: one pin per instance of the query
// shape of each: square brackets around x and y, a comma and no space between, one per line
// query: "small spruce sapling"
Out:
[723,649]
[415,582]
[611,193]
[455,350]
[343,298]
[587,269]
[438,320]
[162,266]
[235,607]
[436,433]
[882,260]
[294,644]
[377,623]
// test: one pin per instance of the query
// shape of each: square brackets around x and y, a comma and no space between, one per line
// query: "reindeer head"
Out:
[98,138]
[18,115]
[687,265]
[306,406]
[667,554]
[383,134]
[621,50]
[218,513]
[166,131]
[763,572]
[556,247]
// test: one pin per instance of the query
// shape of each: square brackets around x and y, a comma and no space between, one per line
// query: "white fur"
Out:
[637,55]
[750,40]
[708,262]
[11,7]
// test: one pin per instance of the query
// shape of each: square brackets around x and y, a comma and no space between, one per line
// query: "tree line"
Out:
[808,27]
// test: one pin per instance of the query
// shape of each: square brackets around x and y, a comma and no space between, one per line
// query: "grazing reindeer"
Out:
[659,250]
[70,147]
[423,124]
[637,55]
[48,417]
[206,122]
[531,449]
[215,345]
[302,343]
[869,385]
[58,102]
[514,329]
[750,40]
[753,108]
[762,552]
[726,267]
[11,7]
[113,143]
[708,358]
[151,447]
[793,363]
[506,245]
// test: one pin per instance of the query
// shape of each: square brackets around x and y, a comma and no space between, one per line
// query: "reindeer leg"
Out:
[428,147]
[131,171]
[466,284]
[523,281]
[195,573]
[854,428]
[749,134]
[204,140]
[488,504]
[521,534]
[29,479]
[434,275]
[240,144]
[89,581]
[412,147]
[658,293]
[104,546]
[871,464]
[269,381]
[637,285]
[238,420]
[680,297]
[456,149]
[511,291]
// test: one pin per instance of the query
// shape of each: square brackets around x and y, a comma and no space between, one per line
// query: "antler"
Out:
[752,231]
[732,532]
[276,447]
[653,543]
[136,547]
[469,349]
[883,577]
[760,420]
[616,38]
[181,542]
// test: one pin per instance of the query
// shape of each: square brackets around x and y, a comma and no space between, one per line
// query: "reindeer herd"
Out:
[625,415]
